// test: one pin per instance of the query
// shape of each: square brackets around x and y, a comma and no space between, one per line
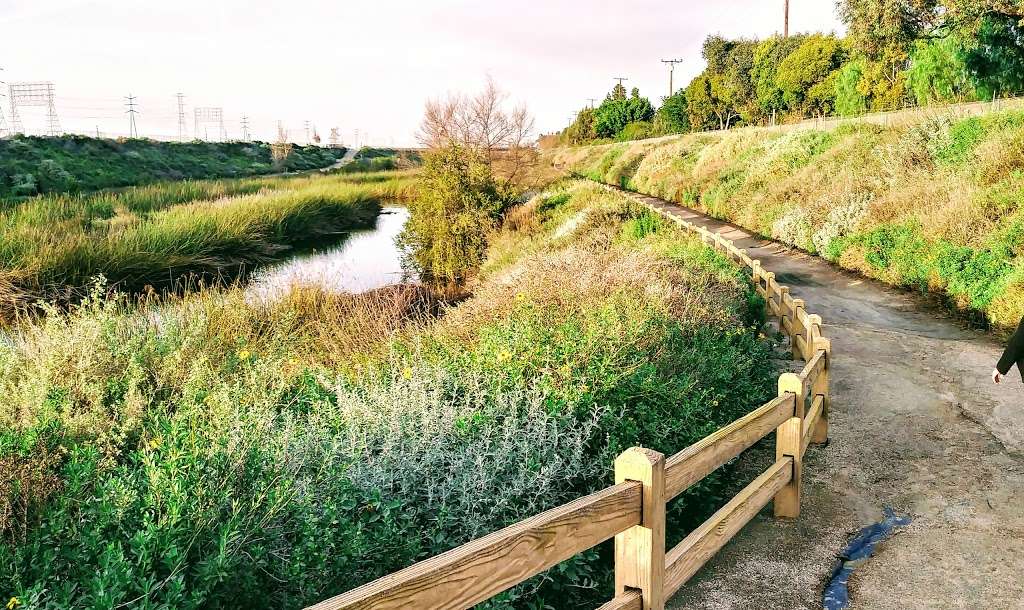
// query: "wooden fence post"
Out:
[798,328]
[640,550]
[788,443]
[783,310]
[821,388]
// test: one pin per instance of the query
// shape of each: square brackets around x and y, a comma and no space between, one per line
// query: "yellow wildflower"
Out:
[244,354]
[14,603]
[154,443]
[407,373]
[504,356]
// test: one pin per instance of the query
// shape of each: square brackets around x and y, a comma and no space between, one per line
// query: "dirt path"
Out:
[917,425]
[348,157]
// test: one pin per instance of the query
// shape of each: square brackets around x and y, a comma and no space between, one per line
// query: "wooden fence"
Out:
[633,510]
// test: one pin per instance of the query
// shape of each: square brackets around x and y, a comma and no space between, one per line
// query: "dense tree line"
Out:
[896,53]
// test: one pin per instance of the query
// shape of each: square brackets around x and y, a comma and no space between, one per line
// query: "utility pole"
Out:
[181,117]
[671,70]
[131,112]
[245,128]
[620,79]
[592,100]
[785,23]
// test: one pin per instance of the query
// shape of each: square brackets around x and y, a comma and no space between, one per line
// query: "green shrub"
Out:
[203,453]
[446,233]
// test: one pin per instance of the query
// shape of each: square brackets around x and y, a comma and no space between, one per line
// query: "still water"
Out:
[365,260]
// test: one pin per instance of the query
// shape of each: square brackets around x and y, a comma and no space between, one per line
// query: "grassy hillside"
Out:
[220,452]
[53,246]
[934,206]
[31,165]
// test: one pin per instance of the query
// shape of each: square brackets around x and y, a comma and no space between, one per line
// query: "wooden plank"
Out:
[801,346]
[706,455]
[813,368]
[787,444]
[789,301]
[628,601]
[811,422]
[479,570]
[701,545]
[640,550]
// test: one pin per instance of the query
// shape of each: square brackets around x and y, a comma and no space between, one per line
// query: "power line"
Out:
[131,112]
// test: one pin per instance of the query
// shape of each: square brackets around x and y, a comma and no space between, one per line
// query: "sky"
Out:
[356,65]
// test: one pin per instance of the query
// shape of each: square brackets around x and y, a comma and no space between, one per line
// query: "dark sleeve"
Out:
[1014,350]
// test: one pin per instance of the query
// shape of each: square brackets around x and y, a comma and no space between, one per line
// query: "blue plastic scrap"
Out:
[860,549]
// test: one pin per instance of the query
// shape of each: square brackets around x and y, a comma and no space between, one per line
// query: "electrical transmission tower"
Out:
[210,116]
[23,95]
[335,139]
[305,125]
[133,131]
[245,128]
[181,117]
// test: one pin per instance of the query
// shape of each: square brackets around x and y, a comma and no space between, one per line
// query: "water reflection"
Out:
[366,260]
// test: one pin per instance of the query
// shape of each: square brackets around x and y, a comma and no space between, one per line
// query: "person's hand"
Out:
[996,376]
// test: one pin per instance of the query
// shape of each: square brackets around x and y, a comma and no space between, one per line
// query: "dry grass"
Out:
[942,196]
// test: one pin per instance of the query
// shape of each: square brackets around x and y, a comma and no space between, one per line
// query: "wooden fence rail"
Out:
[633,510]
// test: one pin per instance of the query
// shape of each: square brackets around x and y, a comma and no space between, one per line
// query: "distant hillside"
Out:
[33,165]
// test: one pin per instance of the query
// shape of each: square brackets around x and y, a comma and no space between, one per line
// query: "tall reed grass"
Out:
[52,246]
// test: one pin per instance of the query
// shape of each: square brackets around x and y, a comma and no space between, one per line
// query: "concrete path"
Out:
[918,425]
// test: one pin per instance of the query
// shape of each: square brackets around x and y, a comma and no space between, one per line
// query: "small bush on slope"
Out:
[209,453]
[933,206]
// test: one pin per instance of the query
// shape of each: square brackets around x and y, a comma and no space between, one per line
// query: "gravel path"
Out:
[916,425]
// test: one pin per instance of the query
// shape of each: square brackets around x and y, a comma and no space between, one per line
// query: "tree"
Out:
[618,92]
[806,76]
[850,100]
[709,102]
[486,124]
[458,206]
[996,62]
[938,71]
[767,56]
[612,116]
[885,30]
[673,117]
[582,129]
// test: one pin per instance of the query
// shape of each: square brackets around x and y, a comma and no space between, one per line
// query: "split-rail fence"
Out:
[633,510]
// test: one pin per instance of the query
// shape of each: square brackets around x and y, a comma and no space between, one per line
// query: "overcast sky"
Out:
[366,65]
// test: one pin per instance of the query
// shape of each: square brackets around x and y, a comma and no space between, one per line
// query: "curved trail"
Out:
[916,425]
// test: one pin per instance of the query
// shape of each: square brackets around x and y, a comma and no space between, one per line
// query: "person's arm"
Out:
[1014,351]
